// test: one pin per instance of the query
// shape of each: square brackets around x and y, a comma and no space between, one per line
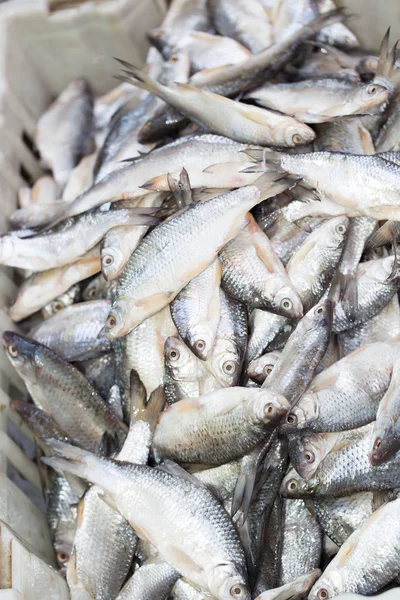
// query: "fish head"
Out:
[225,362]
[319,318]
[302,414]
[180,360]
[284,300]
[327,586]
[112,261]
[21,352]
[296,134]
[120,320]
[384,435]
[259,369]
[306,454]
[225,583]
[94,289]
[200,339]
[294,486]
[335,233]
[266,406]
[371,95]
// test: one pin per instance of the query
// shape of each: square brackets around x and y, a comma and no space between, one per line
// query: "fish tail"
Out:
[380,237]
[349,294]
[141,408]
[272,183]
[325,19]
[261,155]
[135,76]
[71,459]
[395,273]
[386,62]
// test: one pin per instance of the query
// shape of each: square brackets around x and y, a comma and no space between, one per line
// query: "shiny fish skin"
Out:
[358,567]
[152,581]
[64,129]
[116,248]
[344,136]
[196,310]
[59,248]
[218,427]
[376,283]
[41,288]
[294,590]
[63,393]
[220,480]
[340,517]
[345,472]
[382,327]
[184,591]
[317,101]
[347,394]
[148,283]
[302,541]
[73,333]
[308,450]
[288,238]
[252,273]
[61,515]
[71,296]
[259,369]
[216,559]
[246,22]
[386,435]
[100,372]
[264,329]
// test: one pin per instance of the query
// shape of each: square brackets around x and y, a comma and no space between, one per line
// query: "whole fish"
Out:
[345,471]
[214,562]
[252,273]
[196,310]
[74,332]
[357,567]
[321,100]
[347,394]
[41,288]
[148,283]
[70,244]
[218,427]
[64,394]
[63,131]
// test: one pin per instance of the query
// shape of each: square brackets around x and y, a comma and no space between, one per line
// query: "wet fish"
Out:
[64,393]
[259,369]
[218,566]
[293,590]
[386,437]
[71,296]
[207,428]
[152,581]
[63,131]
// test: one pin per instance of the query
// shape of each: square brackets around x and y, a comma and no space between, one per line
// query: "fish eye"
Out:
[200,345]
[371,90]
[269,409]
[62,557]
[91,292]
[323,594]
[108,260]
[173,58]
[286,304]
[111,322]
[268,369]
[292,485]
[340,228]
[309,456]
[229,367]
[291,418]
[57,306]
[173,354]
[319,310]
[378,443]
[297,139]
[13,350]
[237,590]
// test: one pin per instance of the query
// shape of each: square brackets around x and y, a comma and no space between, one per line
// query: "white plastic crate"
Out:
[41,51]
[42,48]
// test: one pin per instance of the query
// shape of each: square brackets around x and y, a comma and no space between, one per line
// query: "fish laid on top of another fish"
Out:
[207,301]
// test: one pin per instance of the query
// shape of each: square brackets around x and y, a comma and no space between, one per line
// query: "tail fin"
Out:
[381,237]
[395,274]
[272,183]
[325,19]
[386,63]
[71,459]
[138,78]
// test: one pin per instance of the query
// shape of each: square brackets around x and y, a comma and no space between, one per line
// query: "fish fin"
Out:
[181,188]
[174,187]
[244,534]
[115,401]
[380,237]
[272,183]
[138,396]
[262,154]
[180,557]
[171,467]
[143,220]
[387,59]
[395,273]
[154,407]
[196,467]
[156,184]
[379,498]
[157,301]
[243,493]
[138,78]
[366,140]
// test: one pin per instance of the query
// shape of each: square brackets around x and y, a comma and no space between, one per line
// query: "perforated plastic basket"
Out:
[43,45]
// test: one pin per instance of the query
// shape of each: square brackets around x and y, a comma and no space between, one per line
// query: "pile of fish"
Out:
[207,321]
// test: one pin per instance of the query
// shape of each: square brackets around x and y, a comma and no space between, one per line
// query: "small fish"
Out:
[220,569]
[63,131]
[218,427]
[196,310]
[63,393]
[74,332]
[358,567]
